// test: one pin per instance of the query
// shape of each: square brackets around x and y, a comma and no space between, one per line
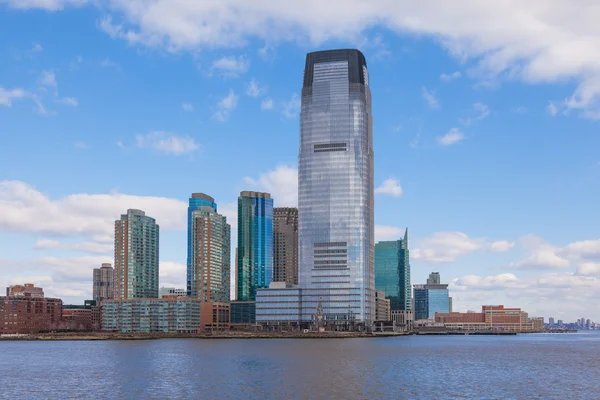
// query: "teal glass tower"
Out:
[196,201]
[431,298]
[255,244]
[392,272]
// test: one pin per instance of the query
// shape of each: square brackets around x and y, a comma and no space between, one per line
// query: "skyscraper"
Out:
[285,245]
[431,298]
[392,272]
[335,180]
[197,200]
[210,255]
[103,283]
[136,256]
[255,243]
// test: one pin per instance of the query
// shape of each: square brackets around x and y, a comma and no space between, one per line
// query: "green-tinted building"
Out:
[255,244]
[136,256]
[392,272]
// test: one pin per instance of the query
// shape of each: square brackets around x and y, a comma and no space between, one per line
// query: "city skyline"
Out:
[482,167]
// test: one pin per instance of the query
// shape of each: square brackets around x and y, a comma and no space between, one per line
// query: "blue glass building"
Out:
[431,298]
[255,244]
[392,272]
[196,201]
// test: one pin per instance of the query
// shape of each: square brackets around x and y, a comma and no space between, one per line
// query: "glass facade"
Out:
[431,298]
[197,200]
[136,256]
[211,256]
[255,244]
[243,312]
[335,168]
[151,315]
[392,273]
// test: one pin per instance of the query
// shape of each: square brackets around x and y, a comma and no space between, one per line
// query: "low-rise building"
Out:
[27,289]
[214,316]
[403,319]
[170,314]
[27,315]
[170,291]
[242,314]
[490,318]
[82,318]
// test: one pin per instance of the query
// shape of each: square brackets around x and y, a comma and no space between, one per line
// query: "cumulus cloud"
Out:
[43,244]
[589,269]
[445,247]
[453,136]
[225,106]
[552,109]
[291,108]
[187,107]
[25,209]
[70,101]
[498,38]
[167,143]
[254,88]
[230,67]
[7,96]
[108,63]
[501,246]
[449,77]
[429,97]
[390,187]
[384,232]
[266,104]
[48,78]
[281,183]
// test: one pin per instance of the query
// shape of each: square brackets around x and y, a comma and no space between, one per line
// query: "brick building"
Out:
[214,316]
[27,289]
[490,318]
[26,314]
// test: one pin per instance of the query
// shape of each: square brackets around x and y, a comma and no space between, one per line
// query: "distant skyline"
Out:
[486,134]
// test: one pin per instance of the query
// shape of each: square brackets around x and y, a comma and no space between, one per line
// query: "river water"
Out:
[535,366]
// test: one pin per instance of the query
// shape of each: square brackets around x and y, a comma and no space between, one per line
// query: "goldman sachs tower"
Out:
[335,184]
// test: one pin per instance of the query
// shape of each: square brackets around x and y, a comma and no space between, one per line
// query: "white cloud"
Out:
[91,247]
[454,135]
[50,5]
[255,89]
[520,109]
[552,109]
[75,64]
[47,78]
[390,187]
[498,39]
[36,48]
[449,77]
[7,96]
[497,282]
[25,209]
[541,255]
[187,107]
[291,108]
[281,183]
[70,101]
[167,143]
[501,246]
[108,63]
[586,249]
[266,104]
[267,53]
[230,67]
[383,233]
[430,99]
[482,109]
[225,106]
[445,247]
[43,244]
[589,269]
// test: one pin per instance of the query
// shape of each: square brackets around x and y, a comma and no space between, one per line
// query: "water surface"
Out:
[536,366]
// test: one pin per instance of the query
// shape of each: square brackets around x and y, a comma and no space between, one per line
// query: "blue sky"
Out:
[486,139]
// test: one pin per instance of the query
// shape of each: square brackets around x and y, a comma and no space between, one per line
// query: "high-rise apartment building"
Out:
[210,255]
[431,298]
[335,188]
[255,244]
[136,256]
[197,200]
[103,283]
[392,272]
[285,245]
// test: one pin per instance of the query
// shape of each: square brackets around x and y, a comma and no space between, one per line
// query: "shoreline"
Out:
[93,336]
